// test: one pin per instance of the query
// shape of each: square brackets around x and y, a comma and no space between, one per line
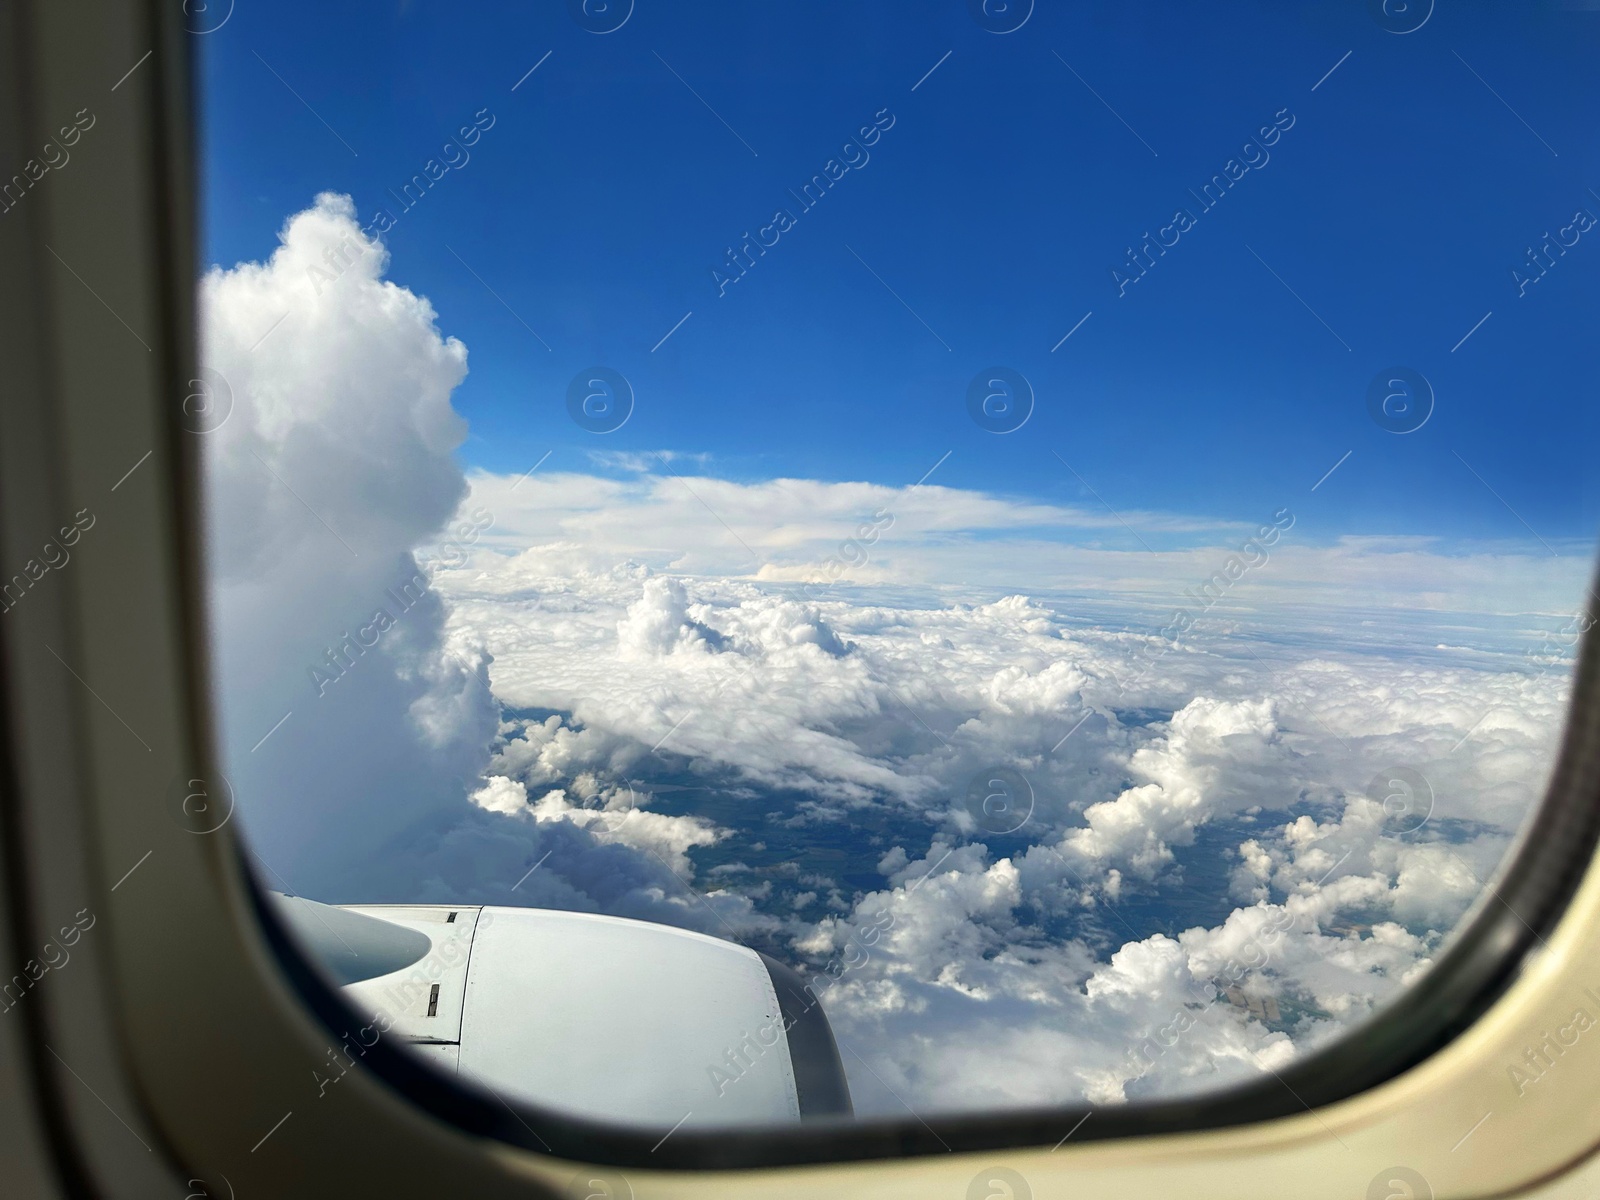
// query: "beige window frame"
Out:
[179,1048]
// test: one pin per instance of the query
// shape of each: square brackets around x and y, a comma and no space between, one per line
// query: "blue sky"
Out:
[995,207]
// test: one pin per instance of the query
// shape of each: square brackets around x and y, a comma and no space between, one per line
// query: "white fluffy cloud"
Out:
[979,975]
[334,465]
[1208,746]
[335,462]
[782,725]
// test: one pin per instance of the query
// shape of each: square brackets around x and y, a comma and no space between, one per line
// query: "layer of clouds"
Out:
[786,725]
[1019,967]
[655,510]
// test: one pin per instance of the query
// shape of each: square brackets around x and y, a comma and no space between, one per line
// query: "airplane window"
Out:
[778,562]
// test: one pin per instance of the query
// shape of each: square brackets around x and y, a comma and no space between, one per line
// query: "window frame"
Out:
[195,984]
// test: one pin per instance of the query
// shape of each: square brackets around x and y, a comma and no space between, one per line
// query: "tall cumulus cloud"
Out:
[334,465]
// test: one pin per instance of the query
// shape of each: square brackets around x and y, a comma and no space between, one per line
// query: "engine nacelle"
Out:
[614,1019]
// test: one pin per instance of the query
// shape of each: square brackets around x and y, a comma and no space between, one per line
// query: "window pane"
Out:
[1066,528]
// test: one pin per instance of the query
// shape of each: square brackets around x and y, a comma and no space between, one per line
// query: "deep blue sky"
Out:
[995,207]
